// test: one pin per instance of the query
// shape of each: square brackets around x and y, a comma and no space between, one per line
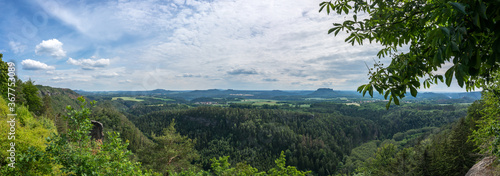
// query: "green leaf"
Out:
[476,21]
[379,89]
[449,76]
[331,30]
[386,94]
[366,89]
[440,77]
[323,5]
[458,6]
[360,88]
[482,10]
[446,31]
[413,91]
[370,91]
[438,58]
[336,32]
[331,5]
[396,100]
[459,74]
[389,103]
[454,46]
[415,83]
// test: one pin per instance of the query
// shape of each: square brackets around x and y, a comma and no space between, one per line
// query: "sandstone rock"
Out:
[482,168]
[97,130]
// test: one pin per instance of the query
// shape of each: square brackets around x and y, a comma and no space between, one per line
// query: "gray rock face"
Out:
[482,168]
[97,130]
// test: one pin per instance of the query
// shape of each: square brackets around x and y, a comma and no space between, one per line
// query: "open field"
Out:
[258,102]
[127,98]
[355,104]
[163,99]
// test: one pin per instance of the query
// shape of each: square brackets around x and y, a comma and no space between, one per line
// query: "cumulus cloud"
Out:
[52,47]
[242,71]
[89,64]
[29,64]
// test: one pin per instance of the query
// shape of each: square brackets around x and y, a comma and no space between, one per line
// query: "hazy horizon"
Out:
[285,90]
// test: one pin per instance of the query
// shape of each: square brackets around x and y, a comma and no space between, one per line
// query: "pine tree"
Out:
[170,152]
[3,77]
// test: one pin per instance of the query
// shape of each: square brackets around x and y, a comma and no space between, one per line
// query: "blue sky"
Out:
[181,45]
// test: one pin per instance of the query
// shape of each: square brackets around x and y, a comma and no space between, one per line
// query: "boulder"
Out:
[482,168]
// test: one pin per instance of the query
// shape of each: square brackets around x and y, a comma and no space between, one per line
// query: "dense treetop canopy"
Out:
[464,33]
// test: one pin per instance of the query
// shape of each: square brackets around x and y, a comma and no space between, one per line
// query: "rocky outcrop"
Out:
[97,131]
[482,168]
[324,93]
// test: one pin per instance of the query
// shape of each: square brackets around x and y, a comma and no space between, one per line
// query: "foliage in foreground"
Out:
[488,134]
[78,154]
[450,152]
[222,167]
[463,33]
[65,154]
[30,134]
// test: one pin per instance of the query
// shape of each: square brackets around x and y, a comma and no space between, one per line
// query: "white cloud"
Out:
[106,75]
[52,47]
[29,64]
[57,78]
[89,64]
[125,81]
[17,47]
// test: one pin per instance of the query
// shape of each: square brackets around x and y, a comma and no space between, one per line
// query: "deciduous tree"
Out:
[463,33]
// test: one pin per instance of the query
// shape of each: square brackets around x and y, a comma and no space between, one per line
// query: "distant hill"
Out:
[104,112]
[324,93]
[59,97]
[281,94]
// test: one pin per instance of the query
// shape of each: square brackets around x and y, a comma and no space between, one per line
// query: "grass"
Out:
[257,102]
[163,99]
[305,105]
[321,99]
[127,98]
[355,104]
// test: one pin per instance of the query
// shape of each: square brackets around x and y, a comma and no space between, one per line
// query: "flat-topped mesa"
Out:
[324,92]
